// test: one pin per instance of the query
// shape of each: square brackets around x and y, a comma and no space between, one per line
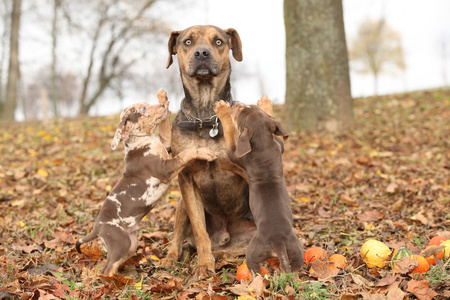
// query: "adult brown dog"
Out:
[214,213]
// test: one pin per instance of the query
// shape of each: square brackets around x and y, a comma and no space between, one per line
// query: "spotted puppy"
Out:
[145,179]
[250,143]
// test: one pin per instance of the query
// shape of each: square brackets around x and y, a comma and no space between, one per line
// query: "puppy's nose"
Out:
[202,54]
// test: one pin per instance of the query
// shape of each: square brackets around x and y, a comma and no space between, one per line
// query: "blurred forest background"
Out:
[66,58]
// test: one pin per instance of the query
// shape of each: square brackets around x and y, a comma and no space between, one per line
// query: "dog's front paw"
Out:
[202,272]
[266,105]
[205,154]
[167,262]
[162,97]
[222,109]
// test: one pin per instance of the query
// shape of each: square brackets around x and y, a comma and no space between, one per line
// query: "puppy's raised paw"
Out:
[162,97]
[222,108]
[266,105]
[206,154]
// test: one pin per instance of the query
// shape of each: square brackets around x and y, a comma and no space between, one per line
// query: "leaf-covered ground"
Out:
[387,179]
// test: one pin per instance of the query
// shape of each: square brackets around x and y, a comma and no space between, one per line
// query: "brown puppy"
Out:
[148,171]
[259,154]
[214,213]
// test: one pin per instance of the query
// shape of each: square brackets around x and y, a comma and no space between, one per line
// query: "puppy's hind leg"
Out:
[119,245]
[295,252]
[257,251]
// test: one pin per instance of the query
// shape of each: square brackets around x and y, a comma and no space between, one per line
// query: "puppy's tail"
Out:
[86,239]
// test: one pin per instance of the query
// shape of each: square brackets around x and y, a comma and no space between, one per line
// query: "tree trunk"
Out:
[13,72]
[54,88]
[318,95]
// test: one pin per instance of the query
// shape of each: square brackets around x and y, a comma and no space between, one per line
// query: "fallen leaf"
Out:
[421,218]
[116,281]
[370,216]
[404,265]
[387,280]
[395,294]
[397,205]
[348,200]
[239,289]
[392,188]
[367,296]
[359,280]
[421,289]
[258,285]
[432,250]
[91,250]
[349,297]
[324,270]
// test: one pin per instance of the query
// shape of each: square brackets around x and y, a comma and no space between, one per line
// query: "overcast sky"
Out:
[423,26]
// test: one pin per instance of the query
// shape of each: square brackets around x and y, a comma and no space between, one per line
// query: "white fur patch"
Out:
[113,197]
[131,221]
[154,144]
[115,222]
[155,190]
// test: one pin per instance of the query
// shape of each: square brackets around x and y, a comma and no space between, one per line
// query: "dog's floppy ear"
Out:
[243,143]
[236,45]
[172,46]
[122,134]
[277,129]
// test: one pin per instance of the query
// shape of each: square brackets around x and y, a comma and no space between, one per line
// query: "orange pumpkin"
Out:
[314,253]
[244,273]
[437,240]
[432,258]
[339,261]
[423,267]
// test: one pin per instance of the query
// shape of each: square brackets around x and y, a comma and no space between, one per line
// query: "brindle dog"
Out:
[214,213]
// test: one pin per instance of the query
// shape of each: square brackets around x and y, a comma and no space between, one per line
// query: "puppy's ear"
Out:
[236,45]
[117,136]
[122,134]
[172,46]
[243,143]
[277,129]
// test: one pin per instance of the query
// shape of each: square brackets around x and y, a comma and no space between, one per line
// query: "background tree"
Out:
[377,49]
[115,33]
[317,77]
[8,111]
[5,12]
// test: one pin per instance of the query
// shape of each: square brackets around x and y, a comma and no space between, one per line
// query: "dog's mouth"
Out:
[203,69]
[203,72]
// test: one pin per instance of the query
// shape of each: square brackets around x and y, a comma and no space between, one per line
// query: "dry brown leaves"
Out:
[387,179]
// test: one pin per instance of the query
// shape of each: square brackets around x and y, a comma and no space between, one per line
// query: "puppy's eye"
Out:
[143,110]
[188,42]
[219,42]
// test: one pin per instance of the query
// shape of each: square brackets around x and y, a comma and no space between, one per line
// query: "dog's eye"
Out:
[219,42]
[188,42]
[143,110]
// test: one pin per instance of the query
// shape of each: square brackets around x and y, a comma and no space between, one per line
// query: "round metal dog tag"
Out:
[213,132]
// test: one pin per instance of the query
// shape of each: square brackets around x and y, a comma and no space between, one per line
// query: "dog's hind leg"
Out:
[295,252]
[257,251]
[119,246]
[281,251]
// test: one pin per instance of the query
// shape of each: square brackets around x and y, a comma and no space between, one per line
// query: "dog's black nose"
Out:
[202,54]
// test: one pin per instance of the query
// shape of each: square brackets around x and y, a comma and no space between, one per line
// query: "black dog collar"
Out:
[194,122]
